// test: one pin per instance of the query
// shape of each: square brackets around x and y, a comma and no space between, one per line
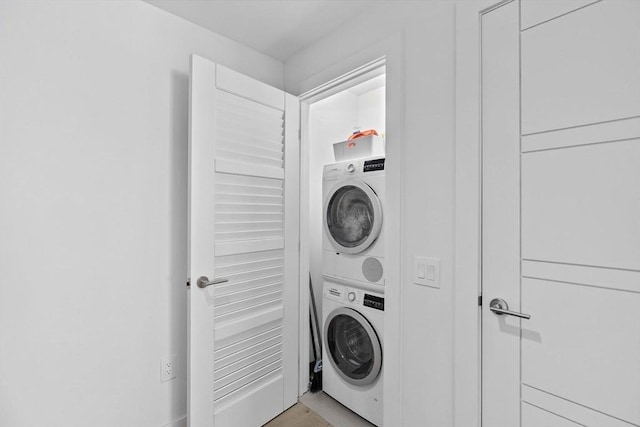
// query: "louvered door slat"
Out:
[252,113]
[251,272]
[239,104]
[253,149]
[258,140]
[244,374]
[225,197]
[242,342]
[251,133]
[246,217]
[252,261]
[251,376]
[239,247]
[249,323]
[237,307]
[249,207]
[247,293]
[221,291]
[249,230]
[244,353]
[250,125]
[251,190]
[248,169]
[250,226]
[248,235]
[238,156]
[257,183]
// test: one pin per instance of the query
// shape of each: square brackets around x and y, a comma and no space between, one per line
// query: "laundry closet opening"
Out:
[342,233]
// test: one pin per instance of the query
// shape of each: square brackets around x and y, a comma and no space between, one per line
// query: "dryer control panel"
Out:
[353,168]
[373,165]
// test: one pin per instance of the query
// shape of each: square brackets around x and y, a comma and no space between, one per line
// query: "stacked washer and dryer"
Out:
[353,289]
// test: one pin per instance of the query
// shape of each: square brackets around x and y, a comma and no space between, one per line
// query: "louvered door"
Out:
[244,241]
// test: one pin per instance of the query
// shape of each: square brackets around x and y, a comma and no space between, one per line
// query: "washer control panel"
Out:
[374,302]
[353,296]
[343,294]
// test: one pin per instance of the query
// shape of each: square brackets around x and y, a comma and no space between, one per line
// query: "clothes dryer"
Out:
[353,238]
[353,321]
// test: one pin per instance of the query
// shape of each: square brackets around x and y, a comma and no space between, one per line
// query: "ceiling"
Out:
[277,28]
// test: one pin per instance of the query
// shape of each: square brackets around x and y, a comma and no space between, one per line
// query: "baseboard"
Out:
[180,422]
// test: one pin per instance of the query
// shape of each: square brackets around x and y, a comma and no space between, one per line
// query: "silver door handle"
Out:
[500,307]
[204,281]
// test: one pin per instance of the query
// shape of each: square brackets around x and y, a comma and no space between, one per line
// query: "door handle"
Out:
[500,307]
[204,281]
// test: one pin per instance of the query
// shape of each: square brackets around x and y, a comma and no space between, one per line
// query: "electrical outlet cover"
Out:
[168,368]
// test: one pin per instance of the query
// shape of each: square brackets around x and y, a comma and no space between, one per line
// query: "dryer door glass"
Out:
[353,347]
[350,216]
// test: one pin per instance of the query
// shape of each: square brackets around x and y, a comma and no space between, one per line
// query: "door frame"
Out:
[468,217]
[341,75]
[323,91]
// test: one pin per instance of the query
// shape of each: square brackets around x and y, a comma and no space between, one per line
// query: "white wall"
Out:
[427,87]
[93,213]
[371,110]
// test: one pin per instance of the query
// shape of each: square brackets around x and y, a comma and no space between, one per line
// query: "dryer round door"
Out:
[352,346]
[352,216]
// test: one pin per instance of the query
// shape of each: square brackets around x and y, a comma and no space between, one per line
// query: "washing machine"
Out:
[352,368]
[353,238]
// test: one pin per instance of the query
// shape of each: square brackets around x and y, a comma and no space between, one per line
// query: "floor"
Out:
[318,410]
[298,416]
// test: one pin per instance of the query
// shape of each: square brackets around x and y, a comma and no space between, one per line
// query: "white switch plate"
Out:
[168,368]
[426,271]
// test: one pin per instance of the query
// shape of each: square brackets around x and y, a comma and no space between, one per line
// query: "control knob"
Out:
[351,168]
[351,296]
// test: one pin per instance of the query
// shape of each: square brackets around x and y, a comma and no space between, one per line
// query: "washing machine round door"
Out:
[352,346]
[352,216]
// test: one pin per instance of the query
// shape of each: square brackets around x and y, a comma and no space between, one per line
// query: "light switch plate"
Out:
[426,271]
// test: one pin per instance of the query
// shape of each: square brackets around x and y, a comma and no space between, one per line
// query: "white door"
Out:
[243,249]
[561,214]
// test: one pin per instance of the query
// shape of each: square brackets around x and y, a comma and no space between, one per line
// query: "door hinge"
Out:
[189,282]
[479,300]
